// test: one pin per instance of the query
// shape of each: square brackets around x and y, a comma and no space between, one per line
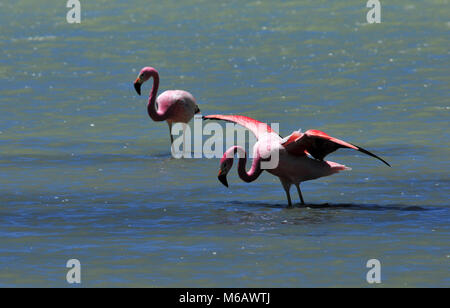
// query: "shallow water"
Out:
[85,174]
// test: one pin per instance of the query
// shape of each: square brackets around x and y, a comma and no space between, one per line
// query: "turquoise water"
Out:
[85,174]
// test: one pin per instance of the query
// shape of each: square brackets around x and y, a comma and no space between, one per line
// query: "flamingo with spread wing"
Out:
[300,155]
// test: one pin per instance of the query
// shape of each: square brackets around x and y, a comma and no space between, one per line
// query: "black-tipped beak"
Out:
[223,178]
[197,110]
[137,86]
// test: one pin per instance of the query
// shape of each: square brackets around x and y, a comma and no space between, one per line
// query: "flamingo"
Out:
[173,106]
[300,155]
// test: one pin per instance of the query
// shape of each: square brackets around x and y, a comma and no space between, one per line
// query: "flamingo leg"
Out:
[288,194]
[171,137]
[184,139]
[300,193]
[287,188]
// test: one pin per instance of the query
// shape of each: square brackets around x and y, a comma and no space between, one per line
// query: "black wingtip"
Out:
[371,154]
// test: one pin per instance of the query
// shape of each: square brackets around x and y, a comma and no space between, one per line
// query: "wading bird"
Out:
[299,156]
[173,106]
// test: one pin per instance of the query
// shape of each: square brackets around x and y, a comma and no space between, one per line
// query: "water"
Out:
[85,174]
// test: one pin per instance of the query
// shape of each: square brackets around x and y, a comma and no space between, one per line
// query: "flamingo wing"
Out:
[319,144]
[256,127]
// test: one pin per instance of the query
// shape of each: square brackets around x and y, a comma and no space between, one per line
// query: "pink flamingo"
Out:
[173,106]
[300,155]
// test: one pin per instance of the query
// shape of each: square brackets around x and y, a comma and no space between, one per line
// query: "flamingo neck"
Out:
[151,107]
[255,170]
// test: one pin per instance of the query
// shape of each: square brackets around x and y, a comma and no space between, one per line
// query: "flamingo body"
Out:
[177,105]
[293,169]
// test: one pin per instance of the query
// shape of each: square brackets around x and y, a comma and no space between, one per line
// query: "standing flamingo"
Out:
[300,155]
[173,106]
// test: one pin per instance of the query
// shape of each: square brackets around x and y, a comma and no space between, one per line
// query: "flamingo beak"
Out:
[137,86]
[197,110]
[223,178]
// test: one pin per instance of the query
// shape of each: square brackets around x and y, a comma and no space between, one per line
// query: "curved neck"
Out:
[151,107]
[255,170]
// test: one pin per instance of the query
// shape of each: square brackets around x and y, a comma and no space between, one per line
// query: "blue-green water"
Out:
[85,174]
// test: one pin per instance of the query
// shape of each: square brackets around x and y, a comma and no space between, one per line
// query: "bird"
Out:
[300,155]
[172,106]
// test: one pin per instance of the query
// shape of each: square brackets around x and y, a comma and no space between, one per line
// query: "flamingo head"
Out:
[145,74]
[226,163]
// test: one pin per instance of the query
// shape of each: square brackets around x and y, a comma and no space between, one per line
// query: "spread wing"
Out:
[318,144]
[256,127]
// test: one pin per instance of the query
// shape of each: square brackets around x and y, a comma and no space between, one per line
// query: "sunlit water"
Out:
[85,174]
